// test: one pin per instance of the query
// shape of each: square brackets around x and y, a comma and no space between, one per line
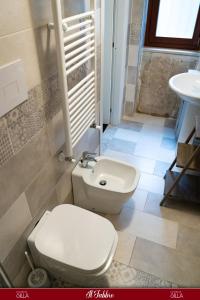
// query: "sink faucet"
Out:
[86,157]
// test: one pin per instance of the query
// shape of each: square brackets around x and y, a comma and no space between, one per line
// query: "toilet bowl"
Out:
[105,185]
[73,244]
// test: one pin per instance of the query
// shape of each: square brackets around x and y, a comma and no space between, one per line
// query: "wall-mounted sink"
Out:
[187,86]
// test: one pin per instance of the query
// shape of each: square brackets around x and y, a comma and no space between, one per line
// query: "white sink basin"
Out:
[105,186]
[120,177]
[187,86]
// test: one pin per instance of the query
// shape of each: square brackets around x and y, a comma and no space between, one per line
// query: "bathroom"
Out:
[138,121]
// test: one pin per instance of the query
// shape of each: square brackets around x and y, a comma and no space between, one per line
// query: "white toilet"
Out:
[73,244]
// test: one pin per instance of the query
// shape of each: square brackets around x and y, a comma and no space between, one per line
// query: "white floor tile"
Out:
[138,200]
[143,164]
[151,183]
[147,150]
[157,230]
[125,246]
[147,226]
[127,135]
[154,152]
[166,155]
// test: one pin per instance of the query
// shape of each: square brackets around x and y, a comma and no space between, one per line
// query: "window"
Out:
[173,24]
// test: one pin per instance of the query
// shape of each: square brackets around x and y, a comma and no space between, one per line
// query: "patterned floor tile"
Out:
[120,276]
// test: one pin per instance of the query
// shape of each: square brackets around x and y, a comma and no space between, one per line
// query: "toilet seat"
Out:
[77,238]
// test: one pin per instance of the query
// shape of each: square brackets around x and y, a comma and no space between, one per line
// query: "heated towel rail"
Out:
[76,45]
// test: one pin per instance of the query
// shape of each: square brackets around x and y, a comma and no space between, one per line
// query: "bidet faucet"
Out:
[86,157]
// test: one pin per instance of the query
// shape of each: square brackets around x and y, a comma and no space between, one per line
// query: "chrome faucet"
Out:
[86,157]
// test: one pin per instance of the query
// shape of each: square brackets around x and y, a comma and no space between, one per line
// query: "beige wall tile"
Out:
[130,93]
[21,278]
[38,191]
[22,45]
[12,225]
[46,51]
[21,169]
[70,198]
[64,186]
[40,11]
[14,16]
[15,260]
[133,55]
[55,132]
[128,108]
[89,142]
[32,169]
[36,48]
[16,257]
[18,15]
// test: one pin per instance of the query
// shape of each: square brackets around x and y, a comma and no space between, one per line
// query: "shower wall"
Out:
[133,54]
[32,179]
[154,95]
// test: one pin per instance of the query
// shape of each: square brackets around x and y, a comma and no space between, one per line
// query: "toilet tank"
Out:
[32,236]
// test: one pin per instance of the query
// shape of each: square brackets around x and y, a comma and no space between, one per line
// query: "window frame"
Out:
[151,40]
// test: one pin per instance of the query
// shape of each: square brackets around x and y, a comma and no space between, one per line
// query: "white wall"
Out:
[121,23]
[107,58]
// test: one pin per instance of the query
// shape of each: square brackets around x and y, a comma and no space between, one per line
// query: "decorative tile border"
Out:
[21,124]
[6,149]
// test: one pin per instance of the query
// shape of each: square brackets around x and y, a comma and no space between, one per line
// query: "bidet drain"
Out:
[102,182]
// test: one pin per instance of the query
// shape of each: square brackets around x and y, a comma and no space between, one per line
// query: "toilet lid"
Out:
[76,237]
